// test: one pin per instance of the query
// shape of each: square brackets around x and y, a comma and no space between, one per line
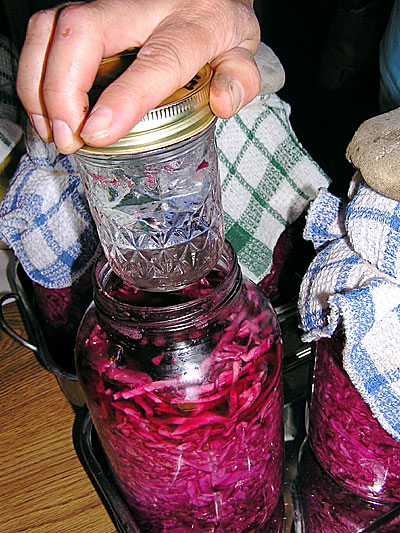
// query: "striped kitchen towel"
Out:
[354,281]
[267,177]
[44,216]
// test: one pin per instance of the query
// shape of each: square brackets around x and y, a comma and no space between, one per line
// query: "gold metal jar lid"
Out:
[179,117]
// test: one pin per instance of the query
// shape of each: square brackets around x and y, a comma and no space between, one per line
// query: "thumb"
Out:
[235,83]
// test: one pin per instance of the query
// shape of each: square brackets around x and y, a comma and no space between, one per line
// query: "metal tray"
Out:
[91,455]
[297,363]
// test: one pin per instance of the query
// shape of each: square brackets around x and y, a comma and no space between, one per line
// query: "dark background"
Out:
[329,50]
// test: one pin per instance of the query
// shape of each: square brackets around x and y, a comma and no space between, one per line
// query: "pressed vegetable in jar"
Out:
[59,312]
[323,506]
[347,440]
[190,417]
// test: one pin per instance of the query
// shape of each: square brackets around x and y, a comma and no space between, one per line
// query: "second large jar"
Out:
[185,391]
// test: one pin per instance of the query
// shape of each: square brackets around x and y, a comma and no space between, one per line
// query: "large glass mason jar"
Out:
[324,506]
[185,392]
[59,312]
[346,438]
[155,194]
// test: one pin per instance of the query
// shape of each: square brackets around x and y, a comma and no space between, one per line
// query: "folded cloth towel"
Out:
[355,281]
[267,181]
[44,216]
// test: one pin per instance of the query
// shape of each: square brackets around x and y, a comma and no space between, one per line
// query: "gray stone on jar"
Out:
[375,151]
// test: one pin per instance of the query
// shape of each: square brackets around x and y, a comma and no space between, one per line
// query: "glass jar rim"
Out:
[168,316]
[99,158]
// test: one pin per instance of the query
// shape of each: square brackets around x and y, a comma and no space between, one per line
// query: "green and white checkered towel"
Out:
[267,178]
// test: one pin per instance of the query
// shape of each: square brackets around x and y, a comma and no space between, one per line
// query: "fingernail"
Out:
[98,123]
[236,93]
[62,134]
[42,126]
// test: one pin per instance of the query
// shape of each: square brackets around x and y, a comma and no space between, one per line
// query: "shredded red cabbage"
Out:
[59,312]
[270,284]
[190,454]
[325,507]
[122,292]
[347,440]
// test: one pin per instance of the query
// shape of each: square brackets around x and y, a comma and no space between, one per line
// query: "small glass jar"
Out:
[323,506]
[155,195]
[346,438]
[185,392]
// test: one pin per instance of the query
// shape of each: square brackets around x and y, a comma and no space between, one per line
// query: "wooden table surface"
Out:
[43,486]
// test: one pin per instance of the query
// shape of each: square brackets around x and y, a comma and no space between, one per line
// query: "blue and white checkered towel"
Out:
[355,281]
[44,216]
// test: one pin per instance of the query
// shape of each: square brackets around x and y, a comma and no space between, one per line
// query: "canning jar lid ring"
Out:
[179,117]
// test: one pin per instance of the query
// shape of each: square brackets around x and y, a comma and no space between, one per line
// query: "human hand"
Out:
[64,47]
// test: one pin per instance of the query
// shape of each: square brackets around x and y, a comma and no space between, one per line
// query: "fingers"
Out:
[235,83]
[174,53]
[71,65]
[161,67]
[177,49]
[31,67]
[58,64]
[63,51]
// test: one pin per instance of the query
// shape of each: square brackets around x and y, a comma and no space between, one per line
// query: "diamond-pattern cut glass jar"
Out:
[155,194]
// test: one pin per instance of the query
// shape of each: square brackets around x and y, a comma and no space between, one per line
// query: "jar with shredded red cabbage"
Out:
[346,438]
[59,312]
[185,392]
[323,506]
